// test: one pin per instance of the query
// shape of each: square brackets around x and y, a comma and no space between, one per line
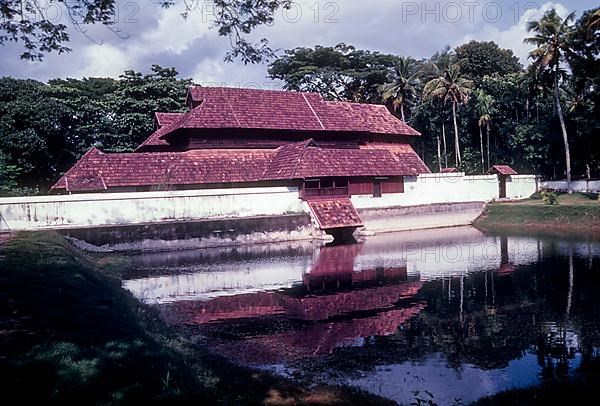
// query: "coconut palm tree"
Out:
[404,88]
[451,87]
[484,106]
[552,41]
[594,22]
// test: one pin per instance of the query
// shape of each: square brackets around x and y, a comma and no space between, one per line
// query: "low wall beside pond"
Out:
[248,215]
[116,209]
[583,186]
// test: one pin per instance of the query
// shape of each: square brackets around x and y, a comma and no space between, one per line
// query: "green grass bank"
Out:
[577,213]
[69,334]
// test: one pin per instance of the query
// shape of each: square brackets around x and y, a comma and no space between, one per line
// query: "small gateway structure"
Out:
[245,154]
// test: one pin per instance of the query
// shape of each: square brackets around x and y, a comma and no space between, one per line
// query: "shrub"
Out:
[549,197]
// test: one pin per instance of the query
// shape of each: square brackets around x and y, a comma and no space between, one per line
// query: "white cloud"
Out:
[194,49]
[512,37]
[103,60]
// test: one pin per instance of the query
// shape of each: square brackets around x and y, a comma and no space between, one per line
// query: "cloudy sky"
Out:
[146,34]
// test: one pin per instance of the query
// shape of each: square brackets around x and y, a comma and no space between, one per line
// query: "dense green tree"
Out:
[34,130]
[337,73]
[45,128]
[133,104]
[552,41]
[8,175]
[480,59]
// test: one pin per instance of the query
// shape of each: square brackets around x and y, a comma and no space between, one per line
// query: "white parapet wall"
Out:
[438,188]
[108,209]
[521,186]
[103,209]
[592,186]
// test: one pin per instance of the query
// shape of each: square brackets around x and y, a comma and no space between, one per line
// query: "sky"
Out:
[146,34]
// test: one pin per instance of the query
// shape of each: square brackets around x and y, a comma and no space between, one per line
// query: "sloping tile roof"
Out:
[168,168]
[407,158]
[306,160]
[98,171]
[86,183]
[335,213]
[502,170]
[163,119]
[450,170]
[221,107]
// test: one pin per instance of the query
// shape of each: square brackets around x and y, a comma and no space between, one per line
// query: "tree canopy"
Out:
[45,128]
[480,59]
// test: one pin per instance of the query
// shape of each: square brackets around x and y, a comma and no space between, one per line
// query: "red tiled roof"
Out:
[168,168]
[220,107]
[335,213]
[98,171]
[502,170]
[163,119]
[164,122]
[449,170]
[306,160]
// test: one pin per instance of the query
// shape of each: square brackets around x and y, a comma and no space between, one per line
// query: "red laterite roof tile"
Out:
[222,107]
[335,213]
[169,168]
[502,170]
[208,166]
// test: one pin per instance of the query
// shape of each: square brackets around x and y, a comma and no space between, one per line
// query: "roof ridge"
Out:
[313,111]
[304,146]
[72,168]
[231,107]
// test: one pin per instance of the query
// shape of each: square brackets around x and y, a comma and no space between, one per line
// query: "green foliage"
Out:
[133,104]
[405,88]
[8,175]
[529,147]
[337,73]
[45,128]
[480,59]
[549,197]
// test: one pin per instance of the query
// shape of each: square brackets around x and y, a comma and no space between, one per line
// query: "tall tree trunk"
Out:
[445,149]
[487,133]
[564,131]
[456,142]
[402,111]
[439,153]
[481,145]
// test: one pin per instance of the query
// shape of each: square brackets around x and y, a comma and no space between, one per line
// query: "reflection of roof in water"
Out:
[313,308]
[315,339]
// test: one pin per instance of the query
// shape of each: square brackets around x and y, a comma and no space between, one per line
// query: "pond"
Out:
[453,315]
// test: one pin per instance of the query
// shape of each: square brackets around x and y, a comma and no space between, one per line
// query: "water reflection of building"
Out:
[357,295]
[331,288]
[365,301]
[425,255]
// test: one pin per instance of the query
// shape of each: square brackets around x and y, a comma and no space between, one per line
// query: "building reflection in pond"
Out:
[455,312]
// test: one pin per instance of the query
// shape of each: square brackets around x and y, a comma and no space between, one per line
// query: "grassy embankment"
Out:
[576,213]
[69,334]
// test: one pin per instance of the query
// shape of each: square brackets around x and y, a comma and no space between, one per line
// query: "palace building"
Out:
[248,138]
